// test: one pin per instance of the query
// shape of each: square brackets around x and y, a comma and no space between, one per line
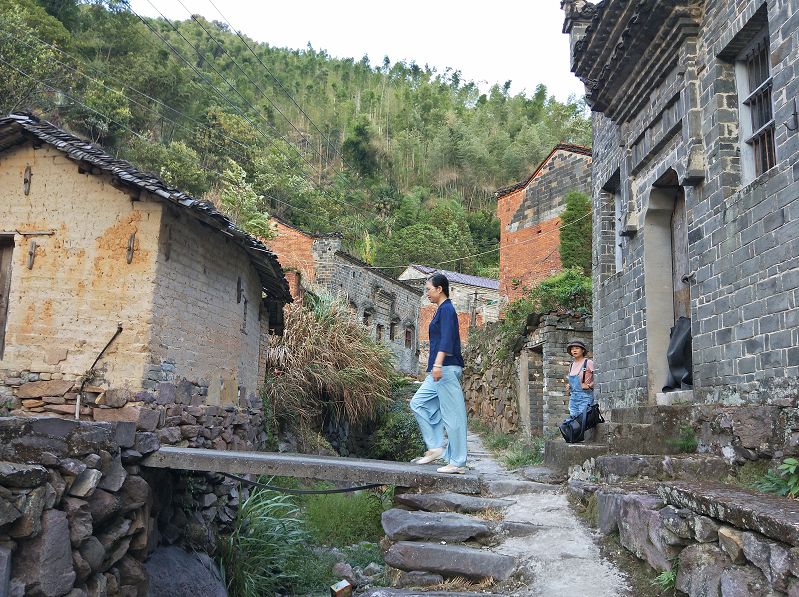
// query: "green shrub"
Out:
[784,482]
[575,232]
[397,436]
[267,537]
[666,580]
[685,441]
[342,519]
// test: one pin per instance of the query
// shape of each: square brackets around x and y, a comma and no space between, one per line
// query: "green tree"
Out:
[359,149]
[237,198]
[177,164]
[420,243]
[575,233]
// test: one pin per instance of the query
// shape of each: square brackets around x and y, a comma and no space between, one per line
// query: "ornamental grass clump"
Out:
[325,366]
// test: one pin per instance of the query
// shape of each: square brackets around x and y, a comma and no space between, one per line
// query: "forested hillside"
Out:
[402,159]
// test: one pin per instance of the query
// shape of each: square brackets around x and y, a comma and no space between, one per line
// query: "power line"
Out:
[225,98]
[146,107]
[221,95]
[279,83]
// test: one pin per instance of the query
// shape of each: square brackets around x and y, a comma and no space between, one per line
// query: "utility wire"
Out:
[225,98]
[220,94]
[300,491]
[149,108]
[279,83]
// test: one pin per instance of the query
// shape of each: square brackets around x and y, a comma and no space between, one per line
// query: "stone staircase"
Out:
[517,538]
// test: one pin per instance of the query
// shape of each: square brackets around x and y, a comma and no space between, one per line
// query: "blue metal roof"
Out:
[458,277]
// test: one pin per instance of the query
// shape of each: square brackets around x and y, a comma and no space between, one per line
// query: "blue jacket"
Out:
[445,336]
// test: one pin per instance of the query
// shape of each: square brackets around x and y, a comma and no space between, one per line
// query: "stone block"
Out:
[146,419]
[44,564]
[700,568]
[5,570]
[29,523]
[146,442]
[642,532]
[450,560]
[773,559]
[402,525]
[17,475]
[79,518]
[114,398]
[85,483]
[744,581]
[450,502]
[37,389]
[608,507]
[166,393]
[418,579]
[705,530]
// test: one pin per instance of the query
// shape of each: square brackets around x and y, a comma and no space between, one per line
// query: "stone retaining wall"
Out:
[79,516]
[177,410]
[719,546]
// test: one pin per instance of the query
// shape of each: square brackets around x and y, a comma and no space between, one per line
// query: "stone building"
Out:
[695,188]
[389,307]
[112,281]
[476,300]
[529,212]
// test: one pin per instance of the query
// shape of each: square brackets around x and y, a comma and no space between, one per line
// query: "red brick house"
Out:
[529,214]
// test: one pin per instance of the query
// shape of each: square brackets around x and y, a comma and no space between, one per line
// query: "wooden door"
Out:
[679,256]
[6,248]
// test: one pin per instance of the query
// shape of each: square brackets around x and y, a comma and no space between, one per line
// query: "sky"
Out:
[489,42]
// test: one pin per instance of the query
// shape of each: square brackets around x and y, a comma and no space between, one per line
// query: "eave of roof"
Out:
[15,129]
[288,224]
[579,149]
[459,278]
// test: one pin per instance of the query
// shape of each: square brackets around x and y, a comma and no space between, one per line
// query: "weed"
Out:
[666,580]
[460,584]
[526,452]
[267,537]
[6,407]
[685,441]
[784,481]
[491,514]
[397,436]
[592,510]
[748,474]
[362,554]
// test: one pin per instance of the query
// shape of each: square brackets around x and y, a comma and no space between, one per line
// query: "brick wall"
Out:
[201,326]
[388,302]
[65,308]
[529,219]
[743,237]
[294,250]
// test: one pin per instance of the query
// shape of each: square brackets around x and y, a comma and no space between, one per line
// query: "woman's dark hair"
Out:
[440,280]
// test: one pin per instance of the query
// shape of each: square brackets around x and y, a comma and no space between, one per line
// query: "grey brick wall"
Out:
[387,301]
[743,238]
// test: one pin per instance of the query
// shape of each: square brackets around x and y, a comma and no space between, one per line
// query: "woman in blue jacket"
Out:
[438,403]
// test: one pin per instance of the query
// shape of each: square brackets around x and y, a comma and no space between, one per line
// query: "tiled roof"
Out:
[559,147]
[459,278]
[17,128]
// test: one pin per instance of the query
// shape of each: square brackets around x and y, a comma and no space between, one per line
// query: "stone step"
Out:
[559,456]
[543,474]
[450,502]
[402,525]
[674,398]
[450,560]
[669,416]
[639,438]
[503,487]
[612,468]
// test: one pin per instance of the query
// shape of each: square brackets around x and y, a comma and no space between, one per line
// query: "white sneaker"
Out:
[429,456]
[452,469]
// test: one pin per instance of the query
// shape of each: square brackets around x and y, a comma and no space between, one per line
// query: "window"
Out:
[618,241]
[408,337]
[6,248]
[367,318]
[392,330]
[753,77]
[379,332]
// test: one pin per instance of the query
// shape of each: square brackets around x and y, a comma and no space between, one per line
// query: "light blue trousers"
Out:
[439,406]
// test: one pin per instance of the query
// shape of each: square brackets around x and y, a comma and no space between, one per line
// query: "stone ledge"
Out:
[774,517]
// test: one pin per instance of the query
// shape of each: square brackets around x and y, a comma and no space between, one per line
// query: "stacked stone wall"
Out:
[490,386]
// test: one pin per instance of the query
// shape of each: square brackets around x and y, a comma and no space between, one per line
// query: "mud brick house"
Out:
[529,212]
[388,307]
[695,195]
[476,299]
[101,261]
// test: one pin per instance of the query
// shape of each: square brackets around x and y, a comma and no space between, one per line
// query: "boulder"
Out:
[80,519]
[773,559]
[642,532]
[85,483]
[700,568]
[22,476]
[5,570]
[176,573]
[417,578]
[134,493]
[450,560]
[44,564]
[731,542]
[705,530]
[93,552]
[401,525]
[744,581]
[608,507]
[29,523]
